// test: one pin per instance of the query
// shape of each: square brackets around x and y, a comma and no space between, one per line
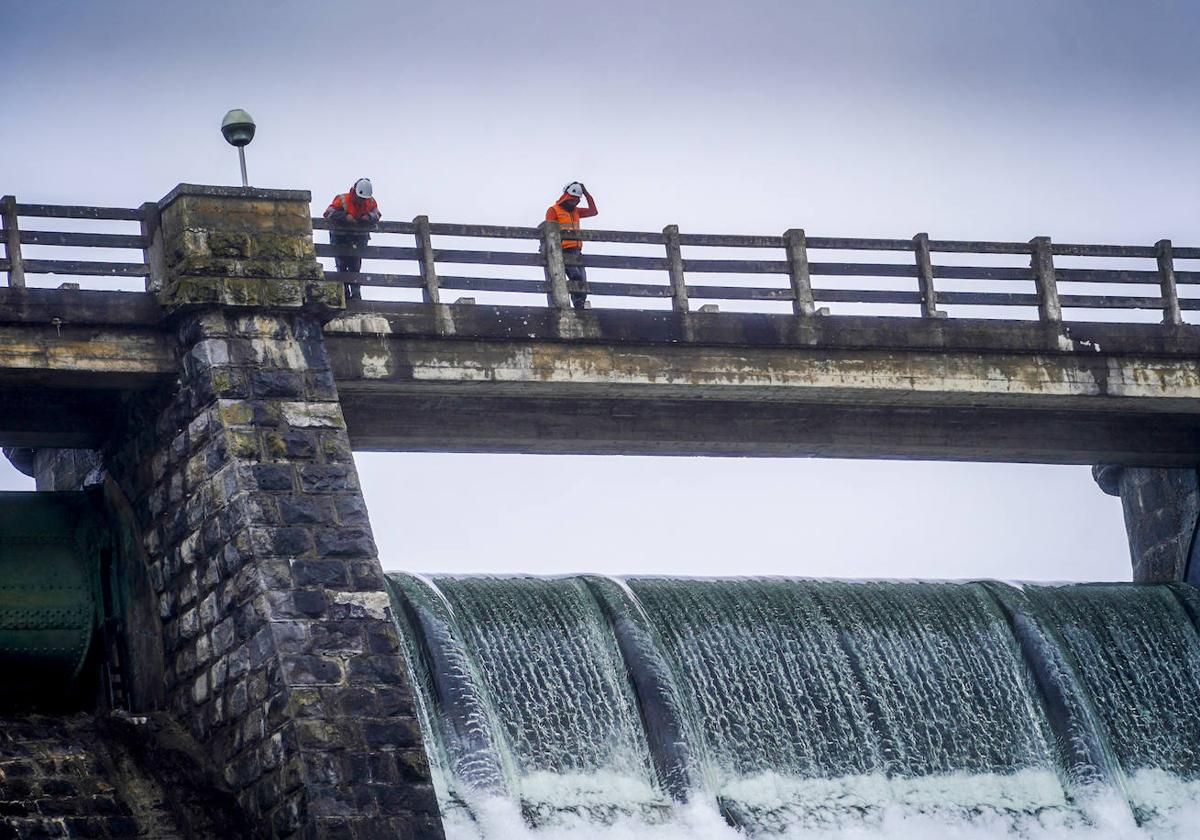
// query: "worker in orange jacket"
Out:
[351,215]
[567,212]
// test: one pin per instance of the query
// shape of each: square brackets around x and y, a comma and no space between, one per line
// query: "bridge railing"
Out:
[793,269]
[683,271]
[14,235]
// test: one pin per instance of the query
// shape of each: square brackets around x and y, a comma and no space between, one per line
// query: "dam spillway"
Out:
[796,707]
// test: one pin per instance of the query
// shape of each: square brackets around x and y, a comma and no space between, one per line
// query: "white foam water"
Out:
[953,807]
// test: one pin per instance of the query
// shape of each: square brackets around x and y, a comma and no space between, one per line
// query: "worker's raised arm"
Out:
[590,210]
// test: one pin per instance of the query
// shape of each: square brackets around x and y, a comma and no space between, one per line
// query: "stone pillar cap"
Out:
[242,246]
[1108,476]
[248,193]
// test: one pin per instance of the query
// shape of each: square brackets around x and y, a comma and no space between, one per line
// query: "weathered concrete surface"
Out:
[475,378]
[467,423]
[68,357]
[63,338]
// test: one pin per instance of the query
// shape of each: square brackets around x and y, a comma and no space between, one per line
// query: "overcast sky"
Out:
[1075,119]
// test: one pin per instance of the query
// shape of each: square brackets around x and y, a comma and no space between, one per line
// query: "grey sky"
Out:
[965,119]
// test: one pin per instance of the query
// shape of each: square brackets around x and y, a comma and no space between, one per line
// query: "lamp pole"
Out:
[238,128]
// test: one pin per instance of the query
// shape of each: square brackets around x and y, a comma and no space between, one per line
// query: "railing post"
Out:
[12,242]
[679,297]
[556,272]
[153,253]
[429,292]
[925,277]
[1042,263]
[796,244]
[1166,281]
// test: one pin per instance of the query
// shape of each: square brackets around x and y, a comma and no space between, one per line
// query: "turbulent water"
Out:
[590,707]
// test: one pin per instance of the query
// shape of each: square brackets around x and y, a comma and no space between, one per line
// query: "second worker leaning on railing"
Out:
[567,213]
[351,216]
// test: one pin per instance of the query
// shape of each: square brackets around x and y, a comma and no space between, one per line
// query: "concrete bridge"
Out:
[447,377]
[627,379]
[217,411]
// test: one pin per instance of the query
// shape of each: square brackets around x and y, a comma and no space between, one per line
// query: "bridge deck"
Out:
[424,377]
[474,378]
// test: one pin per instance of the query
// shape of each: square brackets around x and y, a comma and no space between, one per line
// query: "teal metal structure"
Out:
[50,556]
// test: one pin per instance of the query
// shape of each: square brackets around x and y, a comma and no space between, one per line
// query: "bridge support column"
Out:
[1162,515]
[281,653]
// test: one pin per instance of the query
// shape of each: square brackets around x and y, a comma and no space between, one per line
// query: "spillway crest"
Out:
[797,708]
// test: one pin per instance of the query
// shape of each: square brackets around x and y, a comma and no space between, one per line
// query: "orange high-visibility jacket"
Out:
[568,220]
[350,204]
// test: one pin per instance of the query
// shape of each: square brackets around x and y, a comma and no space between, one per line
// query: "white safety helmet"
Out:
[362,188]
[574,188]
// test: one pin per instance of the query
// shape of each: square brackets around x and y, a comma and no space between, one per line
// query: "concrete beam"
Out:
[472,422]
[65,418]
[696,383]
[473,378]
[87,357]
[64,339]
[758,329]
[68,357]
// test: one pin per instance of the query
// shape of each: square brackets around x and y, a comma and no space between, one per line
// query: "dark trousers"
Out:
[350,264]
[577,285]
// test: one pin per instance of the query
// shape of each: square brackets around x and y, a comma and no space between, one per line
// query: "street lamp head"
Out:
[238,127]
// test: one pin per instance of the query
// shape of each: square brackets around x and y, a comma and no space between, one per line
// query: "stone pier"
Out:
[1162,516]
[281,656]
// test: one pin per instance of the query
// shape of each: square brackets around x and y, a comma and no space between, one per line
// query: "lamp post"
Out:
[238,128]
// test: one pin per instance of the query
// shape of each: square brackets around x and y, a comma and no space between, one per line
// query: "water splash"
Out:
[1107,819]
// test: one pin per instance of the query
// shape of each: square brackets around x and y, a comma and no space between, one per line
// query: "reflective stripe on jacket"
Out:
[568,220]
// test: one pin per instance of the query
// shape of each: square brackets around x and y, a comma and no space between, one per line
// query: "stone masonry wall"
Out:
[101,776]
[1162,513]
[281,655]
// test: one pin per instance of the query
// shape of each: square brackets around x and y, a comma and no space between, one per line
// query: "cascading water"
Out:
[804,683]
[553,719]
[1135,651]
[798,708]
